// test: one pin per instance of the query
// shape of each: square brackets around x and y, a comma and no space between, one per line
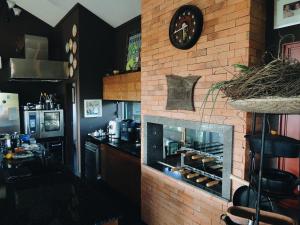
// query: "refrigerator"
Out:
[9,113]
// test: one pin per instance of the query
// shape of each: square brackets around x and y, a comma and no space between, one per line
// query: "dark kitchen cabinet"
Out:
[55,148]
[122,172]
[92,161]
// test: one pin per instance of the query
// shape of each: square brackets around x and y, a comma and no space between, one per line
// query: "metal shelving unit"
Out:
[258,188]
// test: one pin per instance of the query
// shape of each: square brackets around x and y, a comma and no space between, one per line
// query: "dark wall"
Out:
[273,36]
[272,45]
[63,32]
[101,49]
[12,30]
[121,40]
[96,59]
[30,91]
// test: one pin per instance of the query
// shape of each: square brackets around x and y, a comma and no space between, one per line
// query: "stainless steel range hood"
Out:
[36,65]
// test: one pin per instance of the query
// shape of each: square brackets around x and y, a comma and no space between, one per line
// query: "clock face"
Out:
[186,27]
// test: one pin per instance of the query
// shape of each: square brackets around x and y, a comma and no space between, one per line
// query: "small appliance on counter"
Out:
[44,123]
[129,131]
[114,129]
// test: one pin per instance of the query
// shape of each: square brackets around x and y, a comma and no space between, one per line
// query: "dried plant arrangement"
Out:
[279,78]
[270,88]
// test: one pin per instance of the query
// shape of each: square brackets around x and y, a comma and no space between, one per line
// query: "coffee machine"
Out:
[114,129]
[129,131]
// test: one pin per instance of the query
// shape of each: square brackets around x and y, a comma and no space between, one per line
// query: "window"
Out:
[130,110]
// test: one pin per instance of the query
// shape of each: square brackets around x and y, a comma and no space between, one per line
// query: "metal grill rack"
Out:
[211,151]
[214,149]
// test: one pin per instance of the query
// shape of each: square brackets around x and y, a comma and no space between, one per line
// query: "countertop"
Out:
[123,146]
[44,194]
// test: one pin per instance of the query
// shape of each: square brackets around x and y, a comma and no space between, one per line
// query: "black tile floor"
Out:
[130,213]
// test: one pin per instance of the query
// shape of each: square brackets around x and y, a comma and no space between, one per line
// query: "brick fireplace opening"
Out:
[233,32]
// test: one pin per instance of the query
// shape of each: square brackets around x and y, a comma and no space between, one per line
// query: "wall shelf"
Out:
[123,87]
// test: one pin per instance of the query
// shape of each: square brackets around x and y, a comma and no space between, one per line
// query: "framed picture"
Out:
[92,108]
[286,13]
[133,61]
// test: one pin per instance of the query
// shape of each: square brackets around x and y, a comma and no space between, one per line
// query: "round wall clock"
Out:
[186,26]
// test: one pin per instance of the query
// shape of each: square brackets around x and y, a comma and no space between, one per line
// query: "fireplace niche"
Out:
[196,153]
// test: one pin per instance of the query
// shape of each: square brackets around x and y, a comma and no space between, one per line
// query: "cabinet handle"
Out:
[56,145]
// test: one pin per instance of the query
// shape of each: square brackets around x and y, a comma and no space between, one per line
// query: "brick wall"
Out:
[233,33]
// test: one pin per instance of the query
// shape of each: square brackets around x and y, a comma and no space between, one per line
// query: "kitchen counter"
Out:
[127,147]
[35,193]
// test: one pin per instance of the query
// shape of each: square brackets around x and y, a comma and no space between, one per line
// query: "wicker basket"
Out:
[275,105]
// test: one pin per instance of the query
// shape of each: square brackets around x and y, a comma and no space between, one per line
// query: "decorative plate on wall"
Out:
[74,48]
[70,44]
[74,30]
[71,49]
[74,63]
[71,71]
[71,58]
[67,47]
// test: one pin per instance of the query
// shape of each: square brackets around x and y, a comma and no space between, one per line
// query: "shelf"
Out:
[207,151]
[275,145]
[122,87]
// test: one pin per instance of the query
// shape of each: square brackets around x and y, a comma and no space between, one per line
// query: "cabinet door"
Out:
[121,172]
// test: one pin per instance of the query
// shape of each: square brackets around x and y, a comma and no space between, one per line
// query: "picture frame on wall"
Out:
[92,108]
[133,58]
[286,13]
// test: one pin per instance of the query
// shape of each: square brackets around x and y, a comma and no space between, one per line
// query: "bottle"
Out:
[7,142]
[15,142]
[46,101]
[42,100]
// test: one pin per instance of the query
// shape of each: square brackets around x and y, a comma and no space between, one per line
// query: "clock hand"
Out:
[184,25]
